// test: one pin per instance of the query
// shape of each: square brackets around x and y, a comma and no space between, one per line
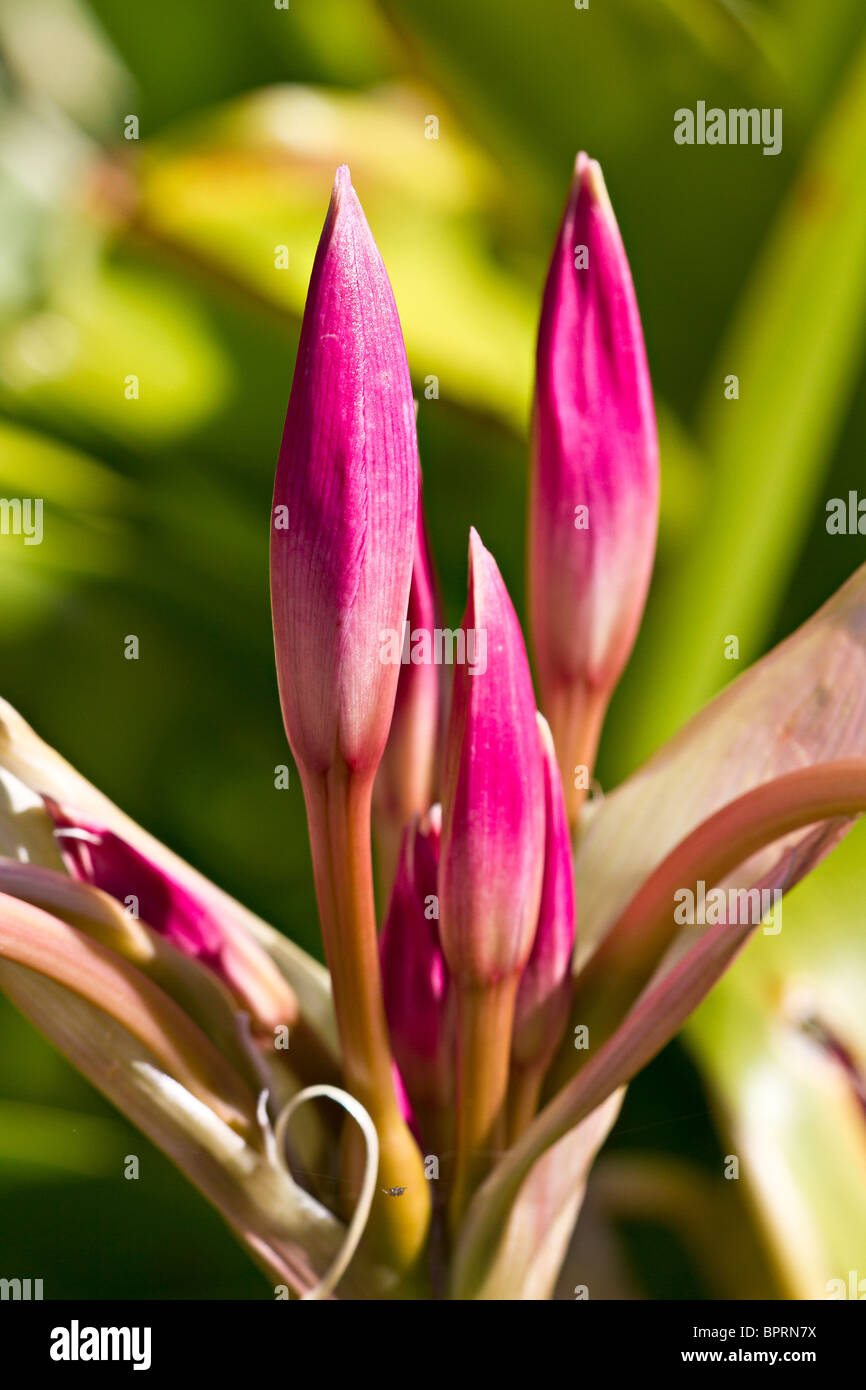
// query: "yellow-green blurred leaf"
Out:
[795,345]
[247,193]
[796,1120]
[126,351]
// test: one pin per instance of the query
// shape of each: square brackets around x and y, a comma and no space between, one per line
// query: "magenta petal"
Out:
[92,854]
[545,986]
[406,780]
[493,804]
[345,499]
[97,856]
[415,978]
[594,447]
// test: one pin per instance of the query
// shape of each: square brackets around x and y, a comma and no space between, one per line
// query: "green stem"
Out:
[338,810]
[485,1017]
[576,715]
[524,1093]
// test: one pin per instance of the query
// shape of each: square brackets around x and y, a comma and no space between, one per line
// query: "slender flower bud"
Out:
[342,543]
[493,804]
[406,781]
[594,485]
[92,854]
[544,992]
[491,863]
[416,982]
[345,499]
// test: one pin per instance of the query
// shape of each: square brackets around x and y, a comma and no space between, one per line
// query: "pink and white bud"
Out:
[406,783]
[594,487]
[415,977]
[95,855]
[493,801]
[345,501]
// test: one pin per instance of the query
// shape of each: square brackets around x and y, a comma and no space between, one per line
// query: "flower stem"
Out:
[338,810]
[524,1093]
[575,714]
[485,1017]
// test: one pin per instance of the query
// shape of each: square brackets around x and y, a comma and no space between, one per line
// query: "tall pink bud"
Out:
[595,481]
[406,783]
[416,980]
[345,500]
[342,542]
[492,857]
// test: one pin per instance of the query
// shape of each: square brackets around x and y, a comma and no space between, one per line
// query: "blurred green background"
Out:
[162,257]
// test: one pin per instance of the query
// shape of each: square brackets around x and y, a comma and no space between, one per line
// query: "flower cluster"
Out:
[480,1058]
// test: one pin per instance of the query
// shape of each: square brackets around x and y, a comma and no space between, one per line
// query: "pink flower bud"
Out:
[544,992]
[406,783]
[92,854]
[595,479]
[493,804]
[345,500]
[415,978]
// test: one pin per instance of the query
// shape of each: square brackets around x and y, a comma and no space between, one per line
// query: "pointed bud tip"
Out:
[342,190]
[545,735]
[482,569]
[479,555]
[431,823]
[588,176]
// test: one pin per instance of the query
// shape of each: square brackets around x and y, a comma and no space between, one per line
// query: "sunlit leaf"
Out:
[126,352]
[784,1043]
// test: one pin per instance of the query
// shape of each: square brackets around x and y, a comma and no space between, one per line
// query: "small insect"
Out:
[393,1191]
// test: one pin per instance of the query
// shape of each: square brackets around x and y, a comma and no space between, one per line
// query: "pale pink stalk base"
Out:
[53,948]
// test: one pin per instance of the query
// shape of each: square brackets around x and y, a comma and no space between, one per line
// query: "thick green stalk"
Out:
[485,1018]
[575,716]
[524,1093]
[338,810]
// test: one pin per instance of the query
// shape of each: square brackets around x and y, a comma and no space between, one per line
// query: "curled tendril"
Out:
[361,1214]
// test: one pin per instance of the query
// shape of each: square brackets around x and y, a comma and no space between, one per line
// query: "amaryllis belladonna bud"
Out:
[493,796]
[345,499]
[342,544]
[491,861]
[95,855]
[416,981]
[595,479]
[406,781]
